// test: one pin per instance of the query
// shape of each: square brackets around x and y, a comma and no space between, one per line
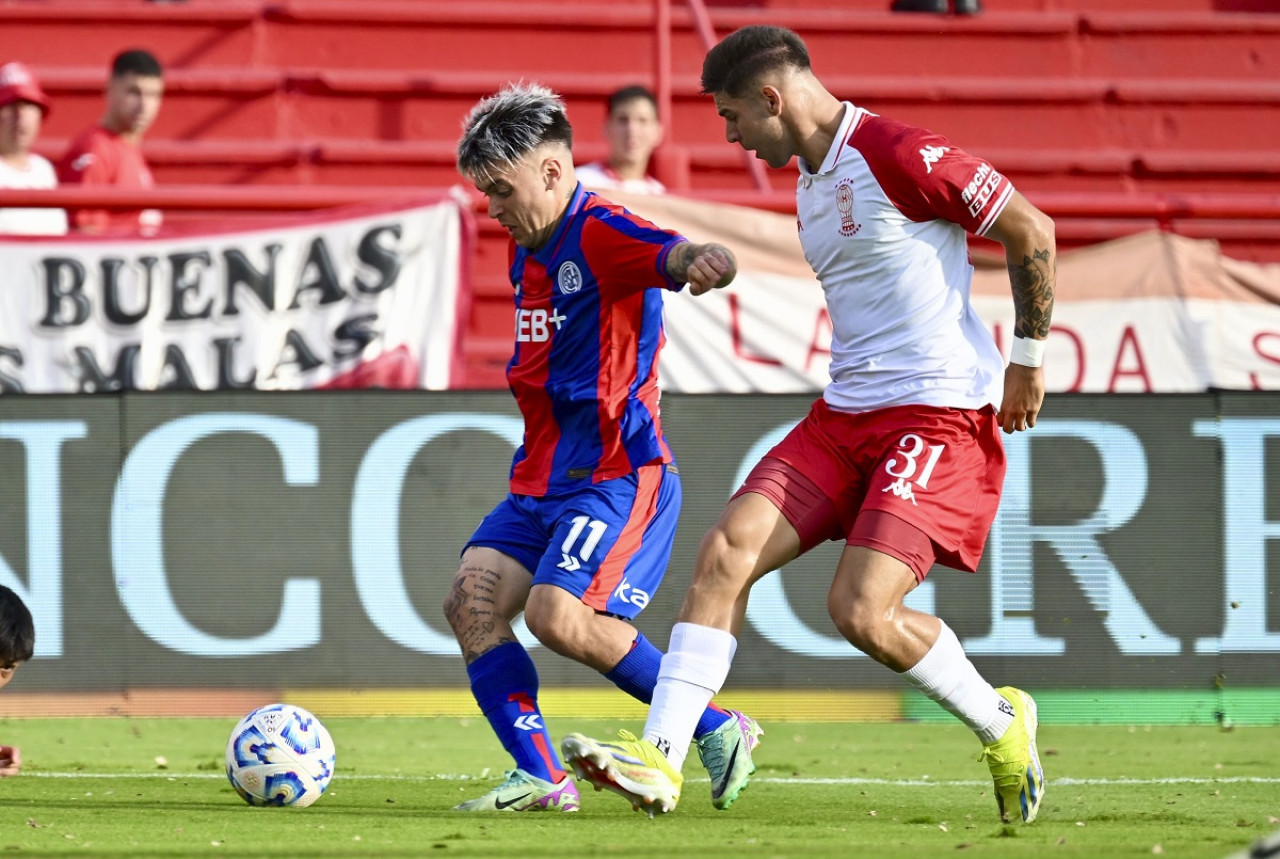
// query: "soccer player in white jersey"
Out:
[901,457]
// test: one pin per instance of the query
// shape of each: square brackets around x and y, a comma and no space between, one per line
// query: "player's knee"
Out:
[452,606]
[861,625]
[559,632]
[542,626]
[724,564]
[459,606]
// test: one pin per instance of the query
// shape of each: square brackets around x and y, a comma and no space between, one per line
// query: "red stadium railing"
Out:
[707,33]
[1164,208]
[210,198]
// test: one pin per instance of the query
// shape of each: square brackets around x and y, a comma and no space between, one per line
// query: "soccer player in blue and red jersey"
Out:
[582,541]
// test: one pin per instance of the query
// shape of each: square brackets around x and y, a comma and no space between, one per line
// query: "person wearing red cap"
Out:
[23,106]
[109,153]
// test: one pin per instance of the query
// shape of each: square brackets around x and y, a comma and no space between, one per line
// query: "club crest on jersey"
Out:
[844,205]
[569,278]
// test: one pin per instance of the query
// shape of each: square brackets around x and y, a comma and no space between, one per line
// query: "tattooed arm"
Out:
[1031,252]
[703,267]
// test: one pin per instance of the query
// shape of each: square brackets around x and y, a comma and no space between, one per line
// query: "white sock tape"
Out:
[1027,352]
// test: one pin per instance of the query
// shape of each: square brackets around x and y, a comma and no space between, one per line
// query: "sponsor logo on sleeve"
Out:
[981,188]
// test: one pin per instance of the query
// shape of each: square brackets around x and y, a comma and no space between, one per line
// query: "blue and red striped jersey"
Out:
[588,333]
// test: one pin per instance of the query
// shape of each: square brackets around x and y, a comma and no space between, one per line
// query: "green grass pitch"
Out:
[155,788]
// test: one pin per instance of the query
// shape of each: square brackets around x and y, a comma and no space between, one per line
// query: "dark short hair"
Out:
[17,630]
[137,62]
[632,93]
[732,65]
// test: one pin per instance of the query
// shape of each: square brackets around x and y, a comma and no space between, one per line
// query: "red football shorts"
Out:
[920,483]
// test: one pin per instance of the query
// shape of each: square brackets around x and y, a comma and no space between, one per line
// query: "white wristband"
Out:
[1027,352]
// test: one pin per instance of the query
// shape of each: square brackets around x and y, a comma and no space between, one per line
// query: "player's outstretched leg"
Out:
[634,769]
[726,753]
[1014,761]
[524,792]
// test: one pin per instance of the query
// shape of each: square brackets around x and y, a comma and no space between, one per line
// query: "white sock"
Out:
[947,676]
[693,670]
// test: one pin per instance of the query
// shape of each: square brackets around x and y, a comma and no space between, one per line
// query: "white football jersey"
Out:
[882,223]
[31,222]
[599,176]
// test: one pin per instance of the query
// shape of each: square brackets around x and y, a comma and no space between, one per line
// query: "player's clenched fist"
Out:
[703,267]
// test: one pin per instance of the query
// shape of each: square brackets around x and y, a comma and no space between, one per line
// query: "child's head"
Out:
[17,633]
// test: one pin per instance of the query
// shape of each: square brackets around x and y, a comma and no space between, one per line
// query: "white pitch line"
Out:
[890,782]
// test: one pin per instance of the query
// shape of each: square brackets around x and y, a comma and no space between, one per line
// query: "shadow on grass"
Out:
[160,805]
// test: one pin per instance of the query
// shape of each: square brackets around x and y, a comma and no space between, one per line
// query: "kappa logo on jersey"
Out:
[569,278]
[533,325]
[82,163]
[629,594]
[844,204]
[981,188]
[932,155]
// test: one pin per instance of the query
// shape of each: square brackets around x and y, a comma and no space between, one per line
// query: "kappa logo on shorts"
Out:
[628,592]
[903,489]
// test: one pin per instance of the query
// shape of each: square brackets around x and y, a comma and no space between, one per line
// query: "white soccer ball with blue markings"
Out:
[280,755]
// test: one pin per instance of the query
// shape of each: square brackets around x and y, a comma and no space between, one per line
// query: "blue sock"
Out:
[637,674]
[505,684]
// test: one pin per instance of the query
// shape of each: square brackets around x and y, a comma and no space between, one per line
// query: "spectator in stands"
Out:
[632,130]
[17,643]
[23,106]
[108,154]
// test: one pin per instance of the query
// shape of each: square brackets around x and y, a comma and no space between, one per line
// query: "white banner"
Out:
[359,297]
[1150,313]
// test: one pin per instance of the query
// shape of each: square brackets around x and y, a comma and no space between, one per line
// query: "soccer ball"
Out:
[280,755]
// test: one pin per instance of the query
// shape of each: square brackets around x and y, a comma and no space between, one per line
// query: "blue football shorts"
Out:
[608,544]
